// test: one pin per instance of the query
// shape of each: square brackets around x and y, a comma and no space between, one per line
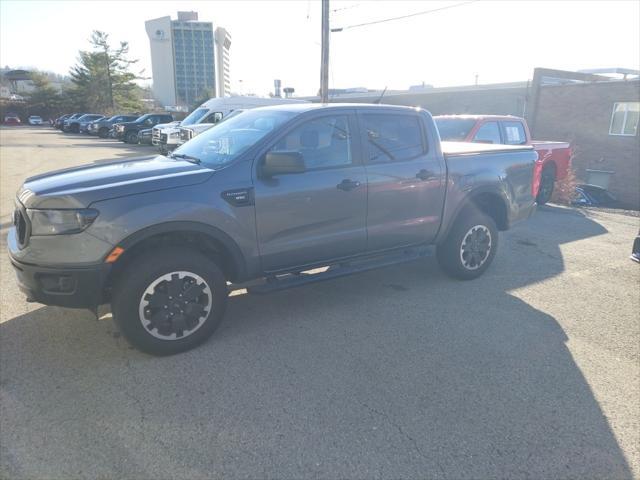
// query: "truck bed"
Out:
[537,144]
[466,148]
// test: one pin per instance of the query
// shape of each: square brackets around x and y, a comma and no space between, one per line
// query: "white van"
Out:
[210,112]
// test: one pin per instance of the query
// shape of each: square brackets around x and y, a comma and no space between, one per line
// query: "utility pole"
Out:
[324,67]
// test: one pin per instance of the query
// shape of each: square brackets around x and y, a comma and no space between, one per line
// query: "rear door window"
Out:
[392,138]
[514,133]
[489,132]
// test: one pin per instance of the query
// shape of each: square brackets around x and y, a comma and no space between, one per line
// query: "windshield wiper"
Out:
[183,156]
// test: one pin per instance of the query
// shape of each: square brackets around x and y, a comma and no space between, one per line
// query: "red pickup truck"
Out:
[554,158]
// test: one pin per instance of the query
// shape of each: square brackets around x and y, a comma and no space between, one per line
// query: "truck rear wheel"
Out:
[547,181]
[169,300]
[470,246]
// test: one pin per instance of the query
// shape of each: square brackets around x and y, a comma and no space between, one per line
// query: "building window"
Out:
[624,119]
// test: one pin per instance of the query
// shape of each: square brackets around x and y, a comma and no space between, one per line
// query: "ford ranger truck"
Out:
[554,158]
[261,202]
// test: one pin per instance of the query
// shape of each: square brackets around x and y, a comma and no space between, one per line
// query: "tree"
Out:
[44,100]
[102,77]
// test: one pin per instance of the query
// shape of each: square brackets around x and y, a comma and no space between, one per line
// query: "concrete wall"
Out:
[162,67]
[581,114]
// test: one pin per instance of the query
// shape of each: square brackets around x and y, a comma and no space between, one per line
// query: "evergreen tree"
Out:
[102,77]
[44,100]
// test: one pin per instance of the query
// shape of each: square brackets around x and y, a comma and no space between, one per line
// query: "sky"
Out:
[497,40]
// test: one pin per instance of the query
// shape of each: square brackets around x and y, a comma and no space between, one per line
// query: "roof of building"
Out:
[305,107]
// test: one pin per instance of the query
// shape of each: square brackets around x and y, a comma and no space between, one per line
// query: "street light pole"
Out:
[324,67]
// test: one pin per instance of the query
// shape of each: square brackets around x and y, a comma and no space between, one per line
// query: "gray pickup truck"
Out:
[273,198]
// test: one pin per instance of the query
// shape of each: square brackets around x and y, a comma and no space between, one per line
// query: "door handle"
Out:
[425,174]
[348,184]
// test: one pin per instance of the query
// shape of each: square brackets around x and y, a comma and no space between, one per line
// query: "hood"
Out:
[167,126]
[201,127]
[128,124]
[79,187]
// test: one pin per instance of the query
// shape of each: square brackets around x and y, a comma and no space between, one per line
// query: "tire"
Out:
[547,181]
[144,292]
[103,132]
[75,128]
[131,137]
[470,247]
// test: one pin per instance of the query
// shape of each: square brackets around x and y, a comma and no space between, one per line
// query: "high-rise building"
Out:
[187,59]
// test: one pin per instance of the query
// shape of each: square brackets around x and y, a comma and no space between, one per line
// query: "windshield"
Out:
[454,128]
[195,116]
[142,118]
[225,142]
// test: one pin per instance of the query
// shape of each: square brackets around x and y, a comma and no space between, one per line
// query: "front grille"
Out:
[155,135]
[163,138]
[20,222]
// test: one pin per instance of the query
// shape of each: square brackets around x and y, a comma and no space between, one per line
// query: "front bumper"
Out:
[82,287]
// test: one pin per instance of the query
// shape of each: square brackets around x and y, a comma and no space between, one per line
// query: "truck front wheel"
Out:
[169,300]
[470,246]
[131,137]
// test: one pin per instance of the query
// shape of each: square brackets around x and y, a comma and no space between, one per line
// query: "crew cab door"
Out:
[318,214]
[406,179]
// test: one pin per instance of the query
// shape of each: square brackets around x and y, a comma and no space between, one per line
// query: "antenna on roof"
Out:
[381,95]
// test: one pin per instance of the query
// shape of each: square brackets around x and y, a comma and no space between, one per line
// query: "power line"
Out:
[345,8]
[415,14]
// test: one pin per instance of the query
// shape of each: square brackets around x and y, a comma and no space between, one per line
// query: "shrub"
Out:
[564,191]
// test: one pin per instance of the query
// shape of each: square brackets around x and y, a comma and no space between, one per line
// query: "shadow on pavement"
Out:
[394,373]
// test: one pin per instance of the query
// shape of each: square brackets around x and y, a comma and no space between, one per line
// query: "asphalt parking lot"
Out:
[532,371]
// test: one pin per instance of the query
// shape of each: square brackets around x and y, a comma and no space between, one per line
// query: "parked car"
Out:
[144,137]
[264,196]
[66,124]
[12,119]
[101,127]
[187,133]
[554,158]
[128,131]
[160,140]
[75,125]
[35,120]
[211,112]
[58,123]
[88,120]
[635,250]
[594,196]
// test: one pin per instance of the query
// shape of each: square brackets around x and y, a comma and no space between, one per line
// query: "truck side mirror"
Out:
[278,163]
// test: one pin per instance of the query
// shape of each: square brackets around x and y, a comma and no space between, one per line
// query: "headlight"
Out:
[60,222]
[174,135]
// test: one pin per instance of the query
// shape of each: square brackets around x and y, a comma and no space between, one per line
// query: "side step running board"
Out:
[290,280]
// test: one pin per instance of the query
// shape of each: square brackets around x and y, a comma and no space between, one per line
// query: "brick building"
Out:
[600,118]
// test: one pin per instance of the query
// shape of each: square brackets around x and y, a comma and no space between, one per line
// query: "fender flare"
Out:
[188,226]
[467,201]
